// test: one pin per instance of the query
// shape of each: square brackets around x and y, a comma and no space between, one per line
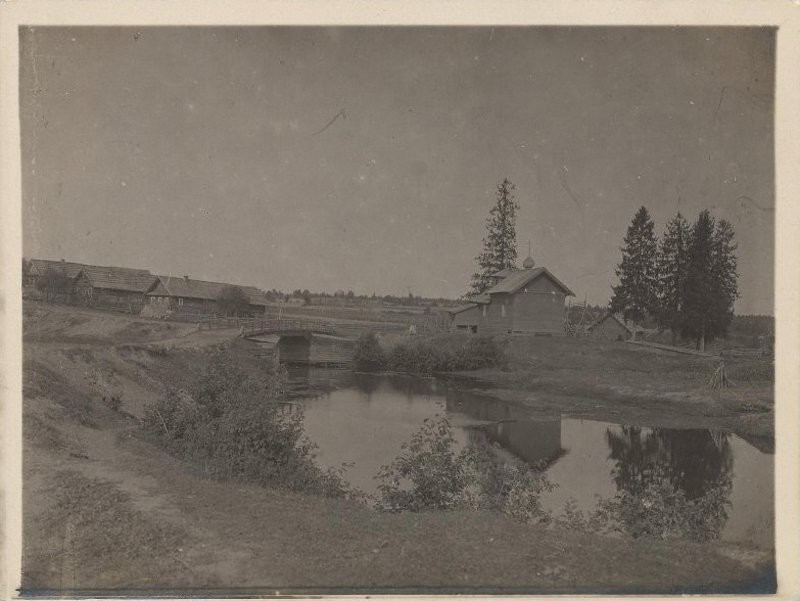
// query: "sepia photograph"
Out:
[323,310]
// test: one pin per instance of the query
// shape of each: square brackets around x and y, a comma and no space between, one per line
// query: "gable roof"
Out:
[119,278]
[631,328]
[42,266]
[522,277]
[504,272]
[189,288]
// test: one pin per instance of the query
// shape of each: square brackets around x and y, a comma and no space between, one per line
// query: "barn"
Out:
[187,296]
[522,301]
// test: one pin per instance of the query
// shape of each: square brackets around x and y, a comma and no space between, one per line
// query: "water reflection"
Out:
[536,442]
[697,465]
[365,419]
[693,461]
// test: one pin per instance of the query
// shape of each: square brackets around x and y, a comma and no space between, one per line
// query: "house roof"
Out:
[522,277]
[482,299]
[42,266]
[461,308]
[189,288]
[119,278]
[503,272]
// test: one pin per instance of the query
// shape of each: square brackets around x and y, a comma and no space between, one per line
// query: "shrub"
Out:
[449,352]
[431,473]
[235,425]
[663,511]
[368,354]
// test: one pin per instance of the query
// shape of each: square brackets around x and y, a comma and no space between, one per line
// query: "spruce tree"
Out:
[636,294]
[673,259]
[724,278]
[500,243]
[711,280]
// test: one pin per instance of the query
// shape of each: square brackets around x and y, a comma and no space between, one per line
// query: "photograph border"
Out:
[783,14]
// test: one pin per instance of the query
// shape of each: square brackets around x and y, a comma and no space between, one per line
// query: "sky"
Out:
[367,158]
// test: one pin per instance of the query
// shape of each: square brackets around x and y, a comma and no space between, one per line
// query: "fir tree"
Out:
[724,278]
[673,258]
[500,243]
[711,280]
[636,294]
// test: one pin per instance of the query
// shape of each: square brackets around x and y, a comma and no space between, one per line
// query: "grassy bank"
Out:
[615,381]
[425,355]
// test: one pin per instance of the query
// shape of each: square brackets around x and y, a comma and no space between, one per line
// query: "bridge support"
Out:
[294,349]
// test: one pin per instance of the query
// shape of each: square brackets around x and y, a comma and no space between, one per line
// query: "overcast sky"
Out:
[204,151]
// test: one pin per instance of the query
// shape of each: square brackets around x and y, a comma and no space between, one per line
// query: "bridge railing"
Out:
[276,326]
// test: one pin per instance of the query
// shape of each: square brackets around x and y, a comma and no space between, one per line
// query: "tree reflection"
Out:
[670,482]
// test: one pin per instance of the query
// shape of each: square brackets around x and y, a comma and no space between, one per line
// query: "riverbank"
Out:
[615,381]
[107,510]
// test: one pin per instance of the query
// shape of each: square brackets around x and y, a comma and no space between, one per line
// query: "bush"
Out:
[236,425]
[368,354]
[431,474]
[449,352]
[663,511]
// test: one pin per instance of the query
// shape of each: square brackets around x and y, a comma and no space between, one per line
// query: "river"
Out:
[363,420]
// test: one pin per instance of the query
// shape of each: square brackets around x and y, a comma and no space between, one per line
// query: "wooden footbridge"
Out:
[250,327]
[293,341]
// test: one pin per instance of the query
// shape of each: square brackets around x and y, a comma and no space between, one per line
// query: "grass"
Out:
[97,537]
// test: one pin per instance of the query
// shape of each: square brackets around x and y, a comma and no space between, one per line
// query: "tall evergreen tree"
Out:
[711,280]
[500,243]
[724,277]
[672,262]
[636,294]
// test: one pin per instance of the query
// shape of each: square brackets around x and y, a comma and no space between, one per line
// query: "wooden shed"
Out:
[612,326]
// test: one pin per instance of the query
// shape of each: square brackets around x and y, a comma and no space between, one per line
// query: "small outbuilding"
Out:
[467,317]
[613,326]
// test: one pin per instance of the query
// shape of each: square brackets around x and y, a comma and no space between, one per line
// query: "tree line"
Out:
[686,281]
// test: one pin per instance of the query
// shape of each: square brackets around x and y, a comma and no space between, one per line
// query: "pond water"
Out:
[367,419]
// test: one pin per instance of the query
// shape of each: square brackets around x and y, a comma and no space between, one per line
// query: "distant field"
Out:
[433,319]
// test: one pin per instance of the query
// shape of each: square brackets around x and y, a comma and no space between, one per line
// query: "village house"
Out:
[37,268]
[522,301]
[92,285]
[119,288]
[64,288]
[195,297]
